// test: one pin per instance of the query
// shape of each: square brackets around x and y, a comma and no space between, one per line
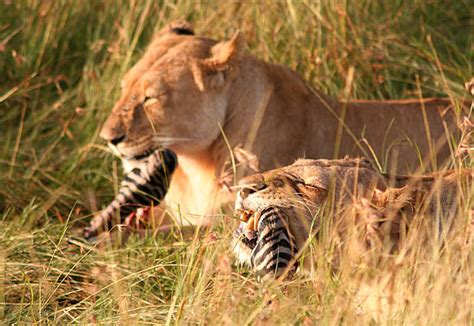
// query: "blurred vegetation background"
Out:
[60,67]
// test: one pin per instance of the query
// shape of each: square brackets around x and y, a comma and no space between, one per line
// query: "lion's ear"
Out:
[177,27]
[220,67]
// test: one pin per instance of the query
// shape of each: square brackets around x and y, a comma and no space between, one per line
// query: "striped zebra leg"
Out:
[276,247]
[145,185]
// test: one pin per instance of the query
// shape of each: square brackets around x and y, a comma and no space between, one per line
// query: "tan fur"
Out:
[367,209]
[197,86]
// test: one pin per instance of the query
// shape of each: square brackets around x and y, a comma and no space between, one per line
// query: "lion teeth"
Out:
[246,215]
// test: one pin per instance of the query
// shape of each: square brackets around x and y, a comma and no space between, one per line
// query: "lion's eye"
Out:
[154,97]
[278,183]
[149,101]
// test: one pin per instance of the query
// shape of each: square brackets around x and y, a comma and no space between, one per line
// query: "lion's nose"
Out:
[250,189]
[117,140]
[245,192]
[113,137]
[113,130]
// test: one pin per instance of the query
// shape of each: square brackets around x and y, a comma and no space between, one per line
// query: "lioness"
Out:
[280,210]
[201,98]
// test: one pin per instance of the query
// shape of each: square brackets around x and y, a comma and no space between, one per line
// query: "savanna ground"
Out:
[60,66]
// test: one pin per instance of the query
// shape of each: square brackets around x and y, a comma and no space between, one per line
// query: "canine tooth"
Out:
[256,218]
[245,215]
[250,224]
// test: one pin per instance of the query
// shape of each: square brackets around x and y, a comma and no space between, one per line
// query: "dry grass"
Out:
[60,65]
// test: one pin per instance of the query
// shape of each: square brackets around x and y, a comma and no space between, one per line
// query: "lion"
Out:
[202,98]
[363,210]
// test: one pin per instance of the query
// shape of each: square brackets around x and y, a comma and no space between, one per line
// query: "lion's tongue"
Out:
[250,234]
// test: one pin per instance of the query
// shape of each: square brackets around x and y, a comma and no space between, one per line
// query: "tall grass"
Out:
[61,62]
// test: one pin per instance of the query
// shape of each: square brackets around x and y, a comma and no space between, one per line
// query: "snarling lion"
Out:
[284,209]
[202,98]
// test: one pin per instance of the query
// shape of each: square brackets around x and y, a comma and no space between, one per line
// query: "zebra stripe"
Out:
[275,248]
[145,185]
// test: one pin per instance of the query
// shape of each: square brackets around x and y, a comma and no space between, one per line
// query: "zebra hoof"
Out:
[90,234]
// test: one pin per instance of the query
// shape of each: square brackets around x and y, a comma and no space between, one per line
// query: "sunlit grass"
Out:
[60,66]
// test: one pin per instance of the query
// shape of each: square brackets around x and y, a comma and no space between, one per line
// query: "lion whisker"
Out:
[171,138]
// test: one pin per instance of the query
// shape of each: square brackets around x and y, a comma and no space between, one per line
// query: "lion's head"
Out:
[174,96]
[273,188]
[306,183]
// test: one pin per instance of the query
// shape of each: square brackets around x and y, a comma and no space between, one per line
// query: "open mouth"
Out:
[248,216]
[248,228]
